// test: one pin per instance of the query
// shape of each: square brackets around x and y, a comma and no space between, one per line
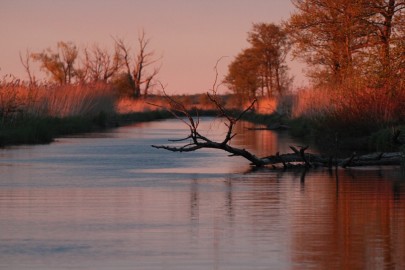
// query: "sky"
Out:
[189,35]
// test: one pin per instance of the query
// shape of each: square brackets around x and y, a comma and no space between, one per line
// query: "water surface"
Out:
[110,201]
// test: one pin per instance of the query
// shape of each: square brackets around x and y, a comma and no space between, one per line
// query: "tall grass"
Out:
[364,109]
[19,100]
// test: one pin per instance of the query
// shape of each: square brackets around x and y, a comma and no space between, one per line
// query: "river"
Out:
[110,201]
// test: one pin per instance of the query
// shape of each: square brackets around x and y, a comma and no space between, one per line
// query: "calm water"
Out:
[110,201]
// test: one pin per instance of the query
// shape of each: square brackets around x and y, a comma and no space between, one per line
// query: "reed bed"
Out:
[20,100]
[347,107]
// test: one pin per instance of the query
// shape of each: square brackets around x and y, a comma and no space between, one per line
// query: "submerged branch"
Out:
[299,157]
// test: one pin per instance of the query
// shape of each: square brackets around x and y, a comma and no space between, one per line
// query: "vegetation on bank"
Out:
[355,56]
[31,115]
[42,130]
[329,139]
[38,114]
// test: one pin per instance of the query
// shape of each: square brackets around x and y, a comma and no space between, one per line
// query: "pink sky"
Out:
[190,34]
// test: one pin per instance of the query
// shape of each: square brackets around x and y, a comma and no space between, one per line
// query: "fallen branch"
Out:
[299,157]
[198,141]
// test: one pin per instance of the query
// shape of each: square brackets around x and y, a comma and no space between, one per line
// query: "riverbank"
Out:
[42,130]
[335,139]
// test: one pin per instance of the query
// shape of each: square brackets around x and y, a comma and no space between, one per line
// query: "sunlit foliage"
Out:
[261,70]
[350,42]
[59,63]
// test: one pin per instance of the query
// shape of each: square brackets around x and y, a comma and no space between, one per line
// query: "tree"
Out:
[298,158]
[25,61]
[386,19]
[270,45]
[60,64]
[243,77]
[341,39]
[139,79]
[322,31]
[261,69]
[100,65]
[195,141]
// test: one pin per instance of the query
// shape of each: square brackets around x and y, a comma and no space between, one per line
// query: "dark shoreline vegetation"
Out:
[43,130]
[354,101]
[339,141]
[34,130]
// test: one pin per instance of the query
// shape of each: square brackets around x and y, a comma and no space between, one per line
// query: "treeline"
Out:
[351,42]
[355,51]
[344,43]
[132,73]
[355,57]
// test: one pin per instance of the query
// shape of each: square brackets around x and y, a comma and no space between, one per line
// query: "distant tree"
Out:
[243,75]
[140,77]
[26,62]
[270,45]
[99,64]
[59,64]
[261,69]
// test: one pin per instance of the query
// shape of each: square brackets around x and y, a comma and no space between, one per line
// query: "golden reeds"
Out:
[18,99]
[352,105]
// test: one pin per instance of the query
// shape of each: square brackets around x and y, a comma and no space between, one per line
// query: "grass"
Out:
[355,118]
[39,114]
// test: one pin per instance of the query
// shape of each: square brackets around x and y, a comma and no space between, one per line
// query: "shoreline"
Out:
[44,130]
[30,131]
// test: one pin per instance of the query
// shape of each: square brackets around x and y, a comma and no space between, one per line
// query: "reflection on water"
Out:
[113,202]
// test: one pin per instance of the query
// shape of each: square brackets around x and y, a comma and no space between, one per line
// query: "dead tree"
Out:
[25,61]
[140,80]
[197,141]
[299,158]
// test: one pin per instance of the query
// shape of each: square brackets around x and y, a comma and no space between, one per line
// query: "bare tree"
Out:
[199,141]
[139,74]
[25,61]
[99,64]
[299,158]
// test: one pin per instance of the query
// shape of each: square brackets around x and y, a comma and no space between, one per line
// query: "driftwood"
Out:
[298,158]
[309,160]
[198,141]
